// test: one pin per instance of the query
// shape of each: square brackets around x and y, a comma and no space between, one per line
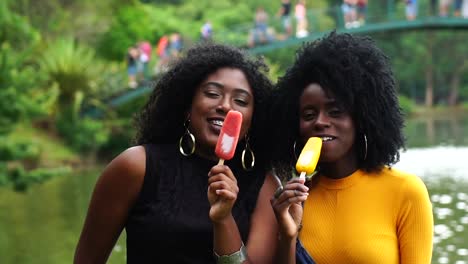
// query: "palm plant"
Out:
[74,68]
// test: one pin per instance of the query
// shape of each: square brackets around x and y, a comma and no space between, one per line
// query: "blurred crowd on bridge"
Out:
[290,20]
[140,55]
[442,8]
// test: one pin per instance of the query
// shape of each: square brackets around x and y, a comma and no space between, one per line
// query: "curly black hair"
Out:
[359,75]
[161,119]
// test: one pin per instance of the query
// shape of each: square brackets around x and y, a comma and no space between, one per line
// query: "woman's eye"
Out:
[335,112]
[211,94]
[308,115]
[241,102]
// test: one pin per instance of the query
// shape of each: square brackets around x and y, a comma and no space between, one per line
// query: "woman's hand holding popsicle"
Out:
[287,201]
[287,206]
[222,192]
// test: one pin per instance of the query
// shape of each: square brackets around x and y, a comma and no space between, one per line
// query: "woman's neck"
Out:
[339,169]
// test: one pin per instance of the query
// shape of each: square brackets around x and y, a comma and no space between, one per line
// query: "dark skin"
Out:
[320,115]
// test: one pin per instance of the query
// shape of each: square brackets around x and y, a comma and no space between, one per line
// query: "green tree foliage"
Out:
[16,29]
[406,104]
[21,94]
[454,62]
[134,23]
[84,19]
[436,59]
[23,97]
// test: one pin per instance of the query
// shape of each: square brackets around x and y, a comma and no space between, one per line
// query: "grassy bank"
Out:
[52,150]
[419,111]
[30,155]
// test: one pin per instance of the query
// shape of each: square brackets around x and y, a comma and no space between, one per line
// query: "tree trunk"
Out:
[455,84]
[429,74]
[454,87]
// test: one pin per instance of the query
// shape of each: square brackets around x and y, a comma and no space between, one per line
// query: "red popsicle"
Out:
[229,135]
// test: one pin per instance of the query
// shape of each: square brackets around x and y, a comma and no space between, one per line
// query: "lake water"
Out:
[43,224]
[438,152]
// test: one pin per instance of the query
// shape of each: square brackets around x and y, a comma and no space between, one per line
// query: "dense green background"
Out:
[60,57]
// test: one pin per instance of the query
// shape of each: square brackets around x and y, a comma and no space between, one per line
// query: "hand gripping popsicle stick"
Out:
[309,157]
[228,137]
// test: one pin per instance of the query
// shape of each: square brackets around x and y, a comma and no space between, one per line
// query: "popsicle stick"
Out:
[221,162]
[303,174]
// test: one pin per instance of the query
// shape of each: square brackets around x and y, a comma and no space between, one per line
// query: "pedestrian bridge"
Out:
[390,17]
[428,23]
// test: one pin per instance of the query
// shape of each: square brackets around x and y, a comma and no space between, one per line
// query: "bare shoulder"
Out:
[114,194]
[126,172]
[132,160]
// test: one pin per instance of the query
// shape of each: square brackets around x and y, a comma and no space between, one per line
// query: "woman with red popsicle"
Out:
[356,208]
[176,201]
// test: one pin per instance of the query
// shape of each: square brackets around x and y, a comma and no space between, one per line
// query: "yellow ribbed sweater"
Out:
[369,218]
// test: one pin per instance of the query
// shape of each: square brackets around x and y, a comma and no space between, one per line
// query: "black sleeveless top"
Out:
[170,218]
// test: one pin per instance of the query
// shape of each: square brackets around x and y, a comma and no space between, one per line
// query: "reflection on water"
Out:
[449,129]
[450,203]
[444,169]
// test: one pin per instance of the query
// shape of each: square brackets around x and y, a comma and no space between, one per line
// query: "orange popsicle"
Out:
[229,135]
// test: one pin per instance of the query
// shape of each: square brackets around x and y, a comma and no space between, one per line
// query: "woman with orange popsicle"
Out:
[175,202]
[357,208]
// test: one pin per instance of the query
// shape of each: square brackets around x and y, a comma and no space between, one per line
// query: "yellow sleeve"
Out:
[415,223]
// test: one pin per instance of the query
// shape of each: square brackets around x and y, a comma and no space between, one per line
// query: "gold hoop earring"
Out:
[192,139]
[365,145]
[247,148]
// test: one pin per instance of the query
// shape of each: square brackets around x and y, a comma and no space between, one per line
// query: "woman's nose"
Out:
[322,121]
[224,106]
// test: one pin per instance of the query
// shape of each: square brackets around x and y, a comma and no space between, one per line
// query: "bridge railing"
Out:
[321,20]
